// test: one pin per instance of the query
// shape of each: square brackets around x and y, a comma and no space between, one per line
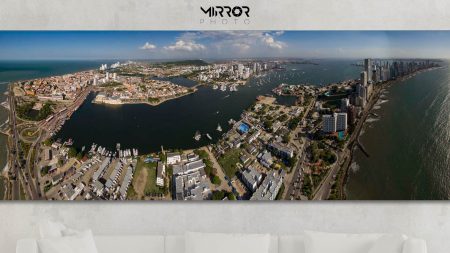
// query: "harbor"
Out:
[174,123]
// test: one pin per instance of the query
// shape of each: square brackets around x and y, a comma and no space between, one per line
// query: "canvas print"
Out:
[224,115]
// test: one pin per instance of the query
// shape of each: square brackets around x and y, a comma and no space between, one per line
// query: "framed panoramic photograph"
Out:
[211,126]
[212,115]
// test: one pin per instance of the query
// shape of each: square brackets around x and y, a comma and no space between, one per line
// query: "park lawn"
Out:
[30,132]
[139,179]
[147,185]
[131,193]
[150,186]
[228,162]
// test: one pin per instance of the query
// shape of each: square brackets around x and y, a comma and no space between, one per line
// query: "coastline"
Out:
[354,143]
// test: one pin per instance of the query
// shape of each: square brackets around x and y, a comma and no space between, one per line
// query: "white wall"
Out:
[186,14]
[429,220]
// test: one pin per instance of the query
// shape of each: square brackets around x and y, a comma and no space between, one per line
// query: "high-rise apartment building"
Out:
[335,122]
[368,69]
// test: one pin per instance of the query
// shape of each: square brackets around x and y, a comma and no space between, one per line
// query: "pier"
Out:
[362,148]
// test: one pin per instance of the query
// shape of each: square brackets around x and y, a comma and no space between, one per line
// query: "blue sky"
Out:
[31,45]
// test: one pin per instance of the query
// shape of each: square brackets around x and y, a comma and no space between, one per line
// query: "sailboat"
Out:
[197,136]
[219,128]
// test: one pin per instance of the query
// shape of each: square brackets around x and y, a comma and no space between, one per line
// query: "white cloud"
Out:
[227,43]
[148,46]
[223,44]
[242,47]
[249,38]
[185,45]
[279,33]
[272,43]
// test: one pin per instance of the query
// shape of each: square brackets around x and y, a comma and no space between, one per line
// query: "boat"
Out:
[215,87]
[93,148]
[223,87]
[219,128]
[209,136]
[197,136]
[69,142]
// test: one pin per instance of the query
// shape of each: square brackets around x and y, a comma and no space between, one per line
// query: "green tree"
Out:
[215,180]
[268,125]
[218,195]
[45,170]
[293,123]
[291,161]
[283,117]
[72,152]
[48,142]
[231,196]
[45,111]
[286,138]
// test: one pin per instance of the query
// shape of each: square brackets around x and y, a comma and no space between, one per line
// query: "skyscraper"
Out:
[375,72]
[341,121]
[334,122]
[329,123]
[364,78]
[368,68]
[345,102]
[369,89]
[361,90]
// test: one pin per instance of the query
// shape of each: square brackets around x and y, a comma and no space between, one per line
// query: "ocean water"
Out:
[409,145]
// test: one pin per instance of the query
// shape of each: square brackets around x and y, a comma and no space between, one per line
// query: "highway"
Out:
[21,168]
[292,189]
[290,178]
[323,191]
[15,150]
